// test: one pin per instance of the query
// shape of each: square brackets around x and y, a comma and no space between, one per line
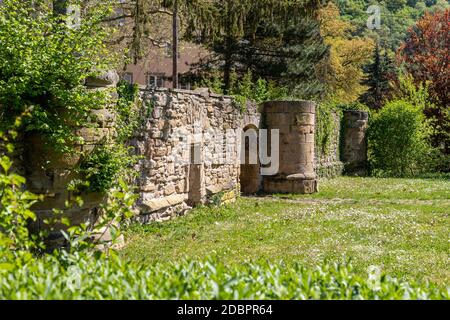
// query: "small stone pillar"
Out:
[354,143]
[295,121]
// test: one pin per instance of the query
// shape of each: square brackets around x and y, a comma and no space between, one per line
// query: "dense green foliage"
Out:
[107,163]
[15,204]
[396,17]
[378,77]
[208,279]
[43,66]
[127,113]
[419,95]
[246,89]
[418,31]
[45,63]
[399,140]
[328,117]
[425,54]
[275,40]
[103,166]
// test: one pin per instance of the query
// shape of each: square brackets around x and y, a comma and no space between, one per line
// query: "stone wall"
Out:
[183,161]
[189,145]
[328,164]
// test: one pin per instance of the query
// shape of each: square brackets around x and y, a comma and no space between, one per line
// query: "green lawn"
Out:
[399,225]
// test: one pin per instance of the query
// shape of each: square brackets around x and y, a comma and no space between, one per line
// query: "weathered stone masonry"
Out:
[295,121]
[354,142]
[168,187]
[328,162]
[49,172]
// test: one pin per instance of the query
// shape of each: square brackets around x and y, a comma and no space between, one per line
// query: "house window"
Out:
[184,82]
[128,77]
[185,85]
[155,80]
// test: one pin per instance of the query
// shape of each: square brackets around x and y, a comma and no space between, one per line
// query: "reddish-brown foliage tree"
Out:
[426,55]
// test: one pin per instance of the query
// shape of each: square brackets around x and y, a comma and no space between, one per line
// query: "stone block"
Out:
[302,119]
[108,79]
[169,190]
[310,137]
[92,135]
[302,129]
[104,117]
[161,203]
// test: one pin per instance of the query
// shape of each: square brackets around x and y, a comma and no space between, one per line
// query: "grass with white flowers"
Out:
[401,226]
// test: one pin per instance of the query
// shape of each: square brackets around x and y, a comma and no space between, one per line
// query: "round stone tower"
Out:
[295,121]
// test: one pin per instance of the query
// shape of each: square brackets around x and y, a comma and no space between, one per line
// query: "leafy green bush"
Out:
[418,95]
[44,64]
[399,141]
[246,89]
[106,163]
[103,166]
[88,278]
[257,91]
[15,206]
[326,127]
[128,116]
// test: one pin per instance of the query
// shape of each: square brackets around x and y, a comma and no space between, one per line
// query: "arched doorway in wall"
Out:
[250,176]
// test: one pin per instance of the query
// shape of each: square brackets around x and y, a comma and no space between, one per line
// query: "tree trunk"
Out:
[228,65]
[175,45]
[228,51]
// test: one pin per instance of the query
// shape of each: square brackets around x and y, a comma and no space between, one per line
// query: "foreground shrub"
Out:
[399,141]
[81,278]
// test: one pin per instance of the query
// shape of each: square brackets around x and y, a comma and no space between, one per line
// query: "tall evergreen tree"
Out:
[276,40]
[378,75]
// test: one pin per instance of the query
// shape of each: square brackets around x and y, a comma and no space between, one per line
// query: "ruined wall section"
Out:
[183,160]
[328,160]
[354,143]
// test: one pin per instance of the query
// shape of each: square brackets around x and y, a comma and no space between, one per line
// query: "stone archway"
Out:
[250,175]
